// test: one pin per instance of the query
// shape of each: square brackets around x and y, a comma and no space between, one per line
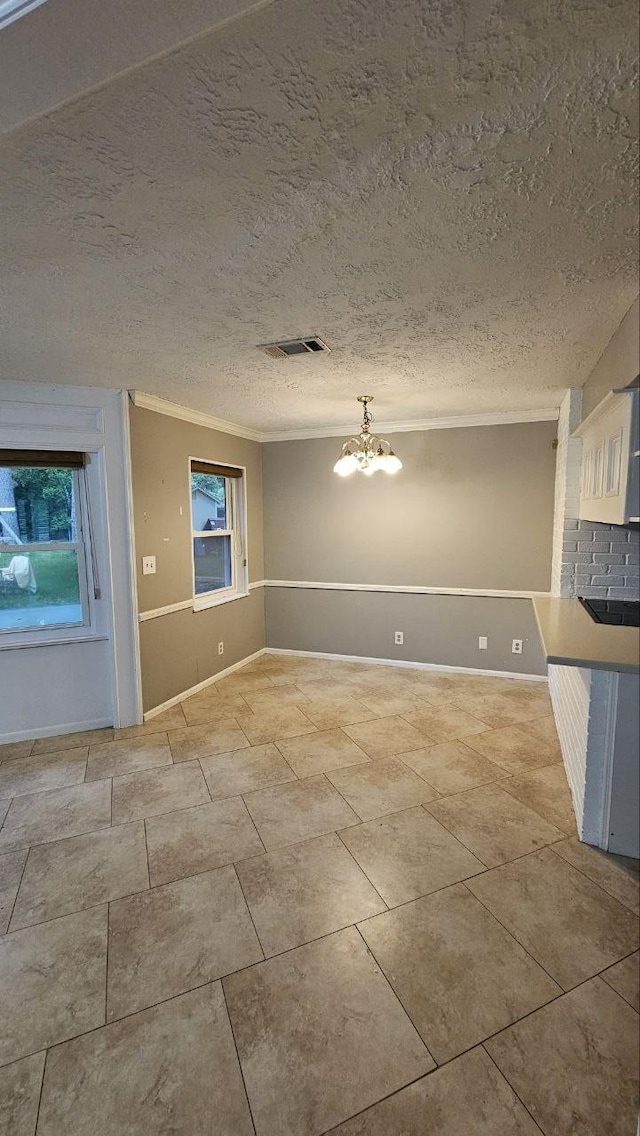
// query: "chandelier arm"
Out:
[367,451]
[354,441]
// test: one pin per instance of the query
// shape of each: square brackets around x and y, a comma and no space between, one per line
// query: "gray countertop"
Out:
[572,638]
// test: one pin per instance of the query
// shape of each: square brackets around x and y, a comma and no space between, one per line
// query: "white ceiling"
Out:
[443,190]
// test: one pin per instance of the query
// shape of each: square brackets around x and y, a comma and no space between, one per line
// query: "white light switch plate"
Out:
[148,565]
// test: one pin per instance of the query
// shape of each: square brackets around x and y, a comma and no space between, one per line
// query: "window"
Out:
[43,565]
[11,10]
[218,533]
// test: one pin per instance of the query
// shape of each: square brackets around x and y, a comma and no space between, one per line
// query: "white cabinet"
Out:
[611,460]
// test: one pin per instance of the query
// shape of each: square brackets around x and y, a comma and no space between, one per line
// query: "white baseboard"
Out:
[149,714]
[407,663]
[55,731]
[100,723]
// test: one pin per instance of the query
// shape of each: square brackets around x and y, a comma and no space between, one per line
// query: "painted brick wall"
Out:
[603,560]
[570,689]
[595,804]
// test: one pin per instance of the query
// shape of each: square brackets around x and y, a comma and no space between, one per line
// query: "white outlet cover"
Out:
[148,565]
[483,643]
[516,646]
[399,638]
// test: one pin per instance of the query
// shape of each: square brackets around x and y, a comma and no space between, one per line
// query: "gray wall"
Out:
[179,650]
[472,508]
[437,629]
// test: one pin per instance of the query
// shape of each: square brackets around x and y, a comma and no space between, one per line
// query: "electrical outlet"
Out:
[221,648]
[516,646]
[399,638]
[483,643]
[148,565]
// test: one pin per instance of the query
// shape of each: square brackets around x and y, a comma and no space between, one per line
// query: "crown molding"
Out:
[197,417]
[453,422]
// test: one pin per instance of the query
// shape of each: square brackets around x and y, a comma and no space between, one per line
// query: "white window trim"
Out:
[62,632]
[240,563]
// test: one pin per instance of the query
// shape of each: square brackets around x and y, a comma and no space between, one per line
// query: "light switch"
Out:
[148,565]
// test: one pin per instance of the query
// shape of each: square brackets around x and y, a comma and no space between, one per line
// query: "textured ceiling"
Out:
[70,46]
[443,190]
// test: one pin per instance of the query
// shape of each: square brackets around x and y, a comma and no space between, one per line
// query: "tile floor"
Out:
[315,897]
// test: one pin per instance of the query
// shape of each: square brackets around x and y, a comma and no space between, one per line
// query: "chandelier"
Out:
[366,452]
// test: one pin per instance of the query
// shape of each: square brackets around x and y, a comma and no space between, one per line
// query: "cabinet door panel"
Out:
[613,465]
[597,463]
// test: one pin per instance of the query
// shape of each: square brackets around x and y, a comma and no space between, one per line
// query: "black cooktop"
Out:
[626,613]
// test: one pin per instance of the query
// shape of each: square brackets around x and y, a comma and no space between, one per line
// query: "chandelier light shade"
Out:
[366,452]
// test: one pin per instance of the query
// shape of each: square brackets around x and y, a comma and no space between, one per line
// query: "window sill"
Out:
[201,603]
[51,641]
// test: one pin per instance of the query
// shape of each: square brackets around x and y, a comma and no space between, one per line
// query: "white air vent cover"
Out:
[308,346]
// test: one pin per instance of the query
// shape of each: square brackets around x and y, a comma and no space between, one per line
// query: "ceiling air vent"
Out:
[293,347]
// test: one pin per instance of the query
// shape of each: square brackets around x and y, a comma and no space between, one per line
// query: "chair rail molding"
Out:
[408,589]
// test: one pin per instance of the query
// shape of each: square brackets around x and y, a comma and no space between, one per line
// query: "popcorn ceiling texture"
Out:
[443,190]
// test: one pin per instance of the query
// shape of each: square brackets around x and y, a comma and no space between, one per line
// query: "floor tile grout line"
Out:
[400,756]
[228,863]
[106,966]
[471,1049]
[235,1046]
[261,962]
[460,841]
[361,869]
[78,911]
[515,937]
[146,852]
[537,1010]
[513,1090]
[262,843]
[15,898]
[497,783]
[336,790]
[381,1100]
[203,774]
[603,975]
[250,914]
[304,840]
[4,819]
[40,1094]
[57,839]
[463,883]
[321,836]
[491,867]
[54,789]
[625,958]
[275,743]
[589,878]
[396,996]
[540,814]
